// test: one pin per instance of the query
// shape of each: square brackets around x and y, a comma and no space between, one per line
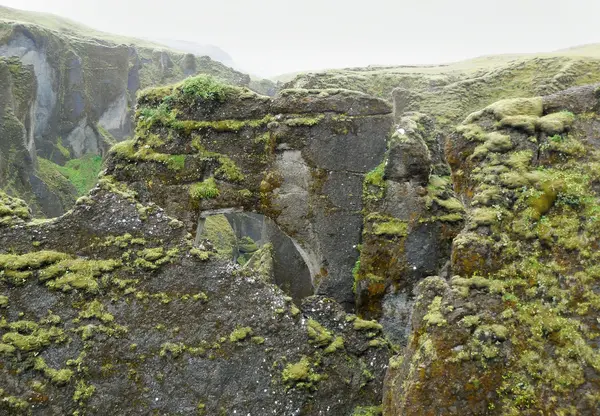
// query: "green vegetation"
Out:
[82,172]
[391,227]
[219,232]
[206,189]
[368,411]
[336,344]
[205,87]
[318,334]
[300,374]
[240,334]
[374,185]
[364,325]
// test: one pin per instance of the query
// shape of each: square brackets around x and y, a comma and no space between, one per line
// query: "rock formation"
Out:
[514,330]
[85,85]
[133,314]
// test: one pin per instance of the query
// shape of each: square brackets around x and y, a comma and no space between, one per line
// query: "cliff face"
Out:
[21,173]
[299,158]
[515,329]
[85,92]
[134,314]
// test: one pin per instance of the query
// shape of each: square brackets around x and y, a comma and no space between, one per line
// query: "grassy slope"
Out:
[69,27]
[450,92]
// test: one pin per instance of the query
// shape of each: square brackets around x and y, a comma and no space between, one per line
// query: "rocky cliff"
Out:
[139,307]
[514,329]
[85,86]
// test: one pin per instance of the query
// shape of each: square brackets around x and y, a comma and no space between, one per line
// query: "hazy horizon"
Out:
[269,38]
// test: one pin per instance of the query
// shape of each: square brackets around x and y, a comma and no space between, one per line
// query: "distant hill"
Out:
[200,49]
[451,91]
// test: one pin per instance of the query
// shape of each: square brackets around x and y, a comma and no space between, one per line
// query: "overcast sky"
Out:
[270,37]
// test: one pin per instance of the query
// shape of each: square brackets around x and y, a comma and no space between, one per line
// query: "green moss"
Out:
[58,377]
[367,411]
[556,123]
[13,403]
[6,349]
[3,301]
[82,172]
[318,334]
[517,106]
[95,309]
[434,316]
[33,260]
[229,170]
[176,162]
[300,374]
[204,87]
[374,185]
[36,341]
[173,349]
[206,189]
[363,325]
[520,122]
[566,145]
[201,254]
[392,227]
[470,321]
[258,340]
[152,254]
[247,245]
[79,274]
[83,391]
[12,207]
[304,121]
[66,153]
[494,142]
[219,232]
[472,132]
[240,334]
[336,344]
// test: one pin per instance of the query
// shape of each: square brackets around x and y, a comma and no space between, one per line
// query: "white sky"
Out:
[270,37]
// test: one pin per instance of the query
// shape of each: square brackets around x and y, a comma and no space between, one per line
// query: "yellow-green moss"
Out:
[300,374]
[206,189]
[374,185]
[363,325]
[434,316]
[392,227]
[318,334]
[336,344]
[240,334]
[556,123]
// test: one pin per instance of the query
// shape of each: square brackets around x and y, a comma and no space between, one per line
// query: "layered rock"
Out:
[20,171]
[112,308]
[412,216]
[299,158]
[85,85]
[514,331]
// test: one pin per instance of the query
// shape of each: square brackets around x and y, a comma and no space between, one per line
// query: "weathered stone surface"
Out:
[303,169]
[116,311]
[511,332]
[412,219]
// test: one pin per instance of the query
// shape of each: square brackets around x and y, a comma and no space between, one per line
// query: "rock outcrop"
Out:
[515,329]
[85,85]
[299,158]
